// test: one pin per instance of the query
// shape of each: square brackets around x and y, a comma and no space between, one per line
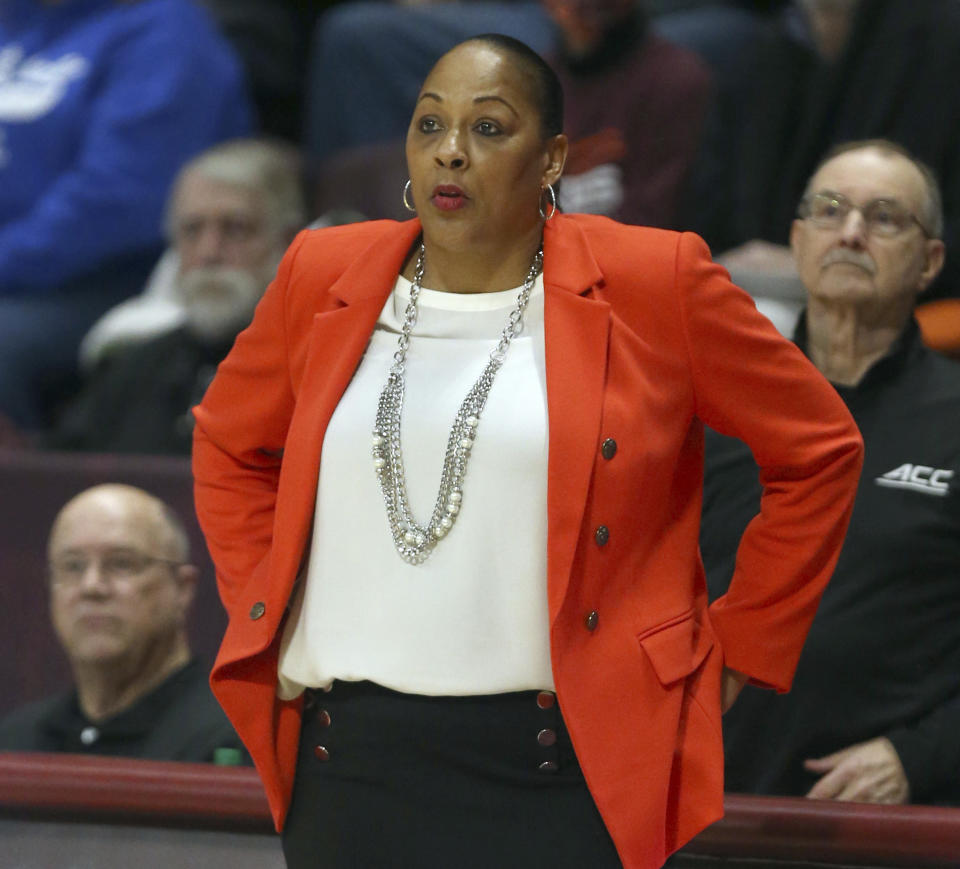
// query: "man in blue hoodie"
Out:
[100,103]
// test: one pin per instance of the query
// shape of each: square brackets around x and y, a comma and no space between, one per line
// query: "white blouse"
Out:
[472,618]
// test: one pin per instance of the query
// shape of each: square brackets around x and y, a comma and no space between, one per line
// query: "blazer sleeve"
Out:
[752,384]
[241,428]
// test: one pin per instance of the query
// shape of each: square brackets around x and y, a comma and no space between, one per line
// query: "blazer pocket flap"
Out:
[677,648]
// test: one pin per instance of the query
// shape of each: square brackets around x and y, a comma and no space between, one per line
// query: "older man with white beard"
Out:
[874,711]
[233,211]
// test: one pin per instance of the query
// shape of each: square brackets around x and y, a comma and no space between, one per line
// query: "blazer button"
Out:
[321,753]
[547,737]
[257,610]
[601,535]
[608,448]
[323,718]
[548,766]
[591,619]
[546,699]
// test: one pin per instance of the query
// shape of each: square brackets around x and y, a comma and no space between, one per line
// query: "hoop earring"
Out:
[553,202]
[406,202]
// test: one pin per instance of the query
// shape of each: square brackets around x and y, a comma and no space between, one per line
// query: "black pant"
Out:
[413,782]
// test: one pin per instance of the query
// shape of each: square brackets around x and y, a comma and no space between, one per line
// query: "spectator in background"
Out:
[830,71]
[634,110]
[874,711]
[100,103]
[272,40]
[233,212]
[720,31]
[121,584]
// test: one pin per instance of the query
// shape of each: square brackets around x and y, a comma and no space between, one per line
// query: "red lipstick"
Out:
[448,197]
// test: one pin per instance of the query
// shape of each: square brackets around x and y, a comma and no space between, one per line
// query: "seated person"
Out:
[121,584]
[271,38]
[830,71]
[874,710]
[100,103]
[634,110]
[233,212]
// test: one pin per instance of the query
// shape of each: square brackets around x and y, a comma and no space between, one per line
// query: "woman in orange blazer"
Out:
[644,341]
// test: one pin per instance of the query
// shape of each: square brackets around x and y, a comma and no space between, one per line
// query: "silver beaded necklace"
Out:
[415,541]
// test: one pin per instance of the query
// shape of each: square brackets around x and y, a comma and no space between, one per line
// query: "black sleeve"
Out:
[731,498]
[87,421]
[929,750]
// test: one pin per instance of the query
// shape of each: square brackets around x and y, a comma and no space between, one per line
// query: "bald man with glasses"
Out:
[874,711]
[121,585]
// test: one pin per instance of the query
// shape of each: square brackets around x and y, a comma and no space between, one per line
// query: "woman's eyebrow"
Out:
[499,100]
[479,99]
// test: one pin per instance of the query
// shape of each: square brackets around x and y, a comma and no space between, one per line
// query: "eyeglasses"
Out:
[883,217]
[122,566]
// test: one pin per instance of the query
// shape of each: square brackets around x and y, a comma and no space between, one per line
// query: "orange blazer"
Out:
[646,340]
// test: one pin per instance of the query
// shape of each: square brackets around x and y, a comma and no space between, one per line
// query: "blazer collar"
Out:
[569,264]
[374,272]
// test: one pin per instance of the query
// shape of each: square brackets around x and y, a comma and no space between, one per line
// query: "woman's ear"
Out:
[557,147]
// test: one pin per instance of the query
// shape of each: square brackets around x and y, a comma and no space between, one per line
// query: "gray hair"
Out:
[933,202]
[271,169]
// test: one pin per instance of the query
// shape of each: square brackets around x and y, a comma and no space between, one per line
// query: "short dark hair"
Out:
[933,207]
[548,92]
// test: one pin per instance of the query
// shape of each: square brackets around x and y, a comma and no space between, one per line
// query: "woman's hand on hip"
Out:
[731,686]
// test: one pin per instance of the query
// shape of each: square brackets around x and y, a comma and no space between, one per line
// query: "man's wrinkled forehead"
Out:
[867,174]
[108,518]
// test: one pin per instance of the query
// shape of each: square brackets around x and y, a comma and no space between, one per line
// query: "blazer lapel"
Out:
[338,339]
[576,330]
[374,272]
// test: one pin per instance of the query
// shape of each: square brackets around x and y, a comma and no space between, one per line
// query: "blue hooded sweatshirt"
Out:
[101,102]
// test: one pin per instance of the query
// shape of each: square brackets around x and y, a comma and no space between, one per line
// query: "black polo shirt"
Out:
[177,720]
[883,655]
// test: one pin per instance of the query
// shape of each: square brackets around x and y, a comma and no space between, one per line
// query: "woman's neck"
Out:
[474,269]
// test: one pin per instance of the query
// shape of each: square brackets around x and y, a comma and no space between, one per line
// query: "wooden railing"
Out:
[109,789]
[765,831]
[822,831]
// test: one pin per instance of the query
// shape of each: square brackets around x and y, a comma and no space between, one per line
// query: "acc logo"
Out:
[919,478]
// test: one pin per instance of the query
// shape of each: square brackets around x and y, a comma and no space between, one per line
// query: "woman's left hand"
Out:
[732,685]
